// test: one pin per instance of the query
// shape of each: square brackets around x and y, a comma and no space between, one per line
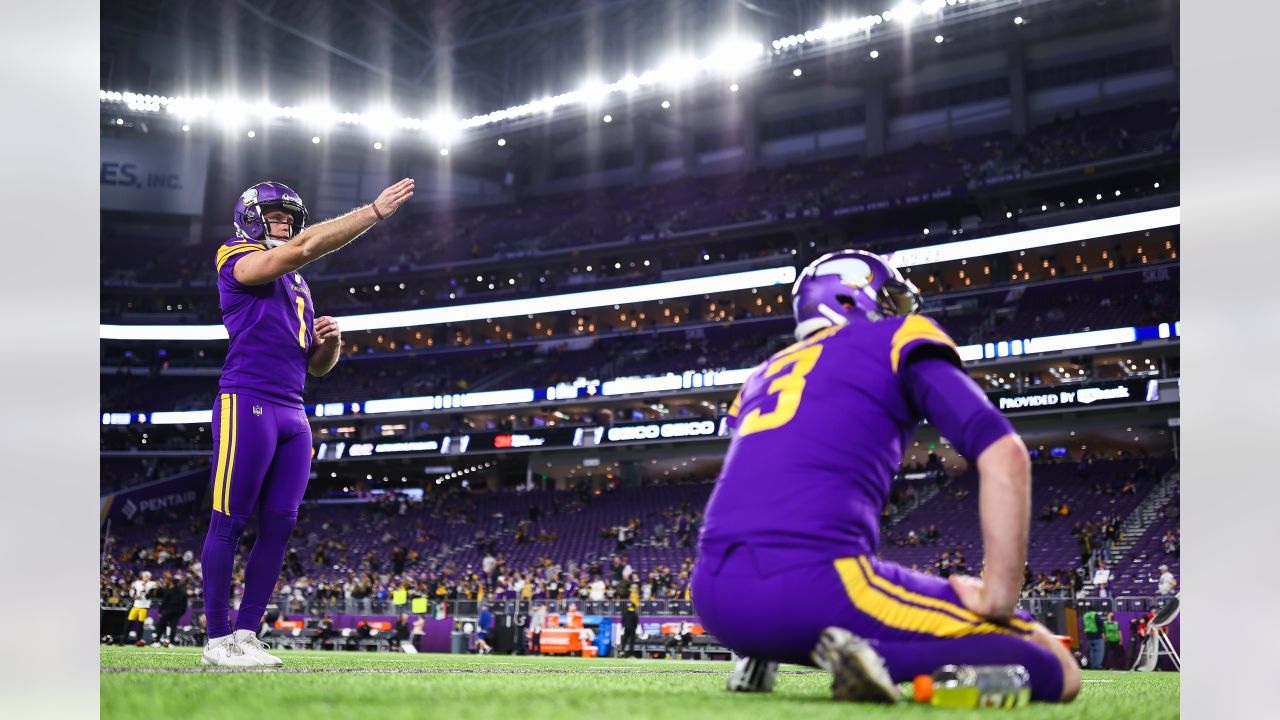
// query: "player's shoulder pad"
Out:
[919,332]
[235,246]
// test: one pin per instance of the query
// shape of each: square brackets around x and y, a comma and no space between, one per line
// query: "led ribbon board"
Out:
[671,382]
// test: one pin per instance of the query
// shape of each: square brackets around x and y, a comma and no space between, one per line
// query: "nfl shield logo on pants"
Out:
[257,410]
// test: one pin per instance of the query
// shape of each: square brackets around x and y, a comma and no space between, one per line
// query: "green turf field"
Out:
[169,683]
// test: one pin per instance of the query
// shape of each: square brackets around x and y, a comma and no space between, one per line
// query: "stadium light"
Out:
[730,56]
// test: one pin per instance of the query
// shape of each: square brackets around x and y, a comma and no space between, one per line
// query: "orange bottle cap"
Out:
[923,688]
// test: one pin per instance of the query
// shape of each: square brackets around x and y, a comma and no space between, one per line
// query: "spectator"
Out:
[1094,641]
[483,624]
[173,602]
[401,634]
[1115,654]
[537,620]
[679,640]
[1166,582]
[419,629]
[630,621]
[1101,577]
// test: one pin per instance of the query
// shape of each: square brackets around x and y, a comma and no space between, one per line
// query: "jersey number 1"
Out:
[787,387]
[302,322]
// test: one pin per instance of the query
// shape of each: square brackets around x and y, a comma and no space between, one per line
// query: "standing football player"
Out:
[262,442]
[793,522]
[141,591]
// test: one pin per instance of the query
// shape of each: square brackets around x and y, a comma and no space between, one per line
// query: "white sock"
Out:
[242,635]
[215,642]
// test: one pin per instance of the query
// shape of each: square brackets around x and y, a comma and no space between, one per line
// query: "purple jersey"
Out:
[269,326]
[821,428]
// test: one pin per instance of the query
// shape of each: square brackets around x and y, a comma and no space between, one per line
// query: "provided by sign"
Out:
[1122,391]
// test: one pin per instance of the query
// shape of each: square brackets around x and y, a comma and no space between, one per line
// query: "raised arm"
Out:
[955,404]
[259,268]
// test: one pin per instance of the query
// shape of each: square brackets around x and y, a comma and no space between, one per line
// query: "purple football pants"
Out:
[767,604]
[261,460]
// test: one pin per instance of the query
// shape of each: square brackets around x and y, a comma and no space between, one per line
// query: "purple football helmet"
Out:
[850,285]
[260,199]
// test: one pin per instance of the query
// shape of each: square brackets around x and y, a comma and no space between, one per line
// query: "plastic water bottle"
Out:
[975,686]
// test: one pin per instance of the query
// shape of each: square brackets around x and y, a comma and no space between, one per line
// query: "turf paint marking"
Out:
[439,671]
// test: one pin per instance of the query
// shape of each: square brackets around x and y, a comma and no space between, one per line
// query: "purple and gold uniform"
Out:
[788,542]
[261,439]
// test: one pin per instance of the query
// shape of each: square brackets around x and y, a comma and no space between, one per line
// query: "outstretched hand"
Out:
[979,598]
[393,197]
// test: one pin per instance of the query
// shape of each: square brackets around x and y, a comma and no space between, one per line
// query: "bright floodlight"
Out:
[186,128]
[444,152]
[667,103]
[733,87]
[252,134]
[502,142]
[377,146]
[874,54]
[938,38]
[443,127]
[1017,20]
[315,140]
[797,72]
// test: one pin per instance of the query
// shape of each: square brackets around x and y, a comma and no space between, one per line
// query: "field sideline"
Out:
[145,682]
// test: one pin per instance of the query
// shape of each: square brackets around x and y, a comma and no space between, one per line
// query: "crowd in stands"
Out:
[455,545]
[612,542]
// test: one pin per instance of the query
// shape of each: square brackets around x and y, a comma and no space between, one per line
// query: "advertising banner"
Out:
[182,492]
[153,175]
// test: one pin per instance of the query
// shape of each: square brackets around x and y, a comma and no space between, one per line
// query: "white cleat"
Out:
[857,671]
[752,675]
[254,647]
[226,652]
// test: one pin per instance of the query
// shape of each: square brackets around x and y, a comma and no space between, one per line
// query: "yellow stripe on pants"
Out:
[895,613]
[224,441]
[231,459]
[901,593]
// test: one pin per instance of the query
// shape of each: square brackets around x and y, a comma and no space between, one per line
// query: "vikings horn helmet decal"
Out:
[850,285]
[260,199]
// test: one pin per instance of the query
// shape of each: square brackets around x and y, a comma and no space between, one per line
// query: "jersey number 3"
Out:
[787,386]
